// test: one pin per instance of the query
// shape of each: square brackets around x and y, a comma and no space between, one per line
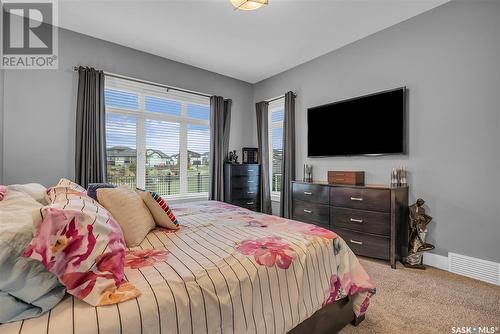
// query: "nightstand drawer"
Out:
[360,220]
[361,198]
[311,193]
[365,244]
[311,213]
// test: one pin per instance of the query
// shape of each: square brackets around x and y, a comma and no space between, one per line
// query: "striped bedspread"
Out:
[227,270]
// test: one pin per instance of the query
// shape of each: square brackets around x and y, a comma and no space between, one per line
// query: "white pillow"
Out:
[18,213]
[34,190]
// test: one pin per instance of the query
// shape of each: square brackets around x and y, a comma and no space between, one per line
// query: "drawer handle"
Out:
[339,179]
[339,174]
[307,193]
[250,170]
[250,192]
[356,220]
[250,181]
[356,242]
[249,203]
[307,211]
[359,199]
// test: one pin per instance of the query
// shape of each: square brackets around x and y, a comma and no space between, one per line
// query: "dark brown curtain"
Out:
[262,111]
[288,163]
[90,151]
[220,125]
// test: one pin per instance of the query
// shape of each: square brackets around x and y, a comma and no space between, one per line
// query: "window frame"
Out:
[141,115]
[276,105]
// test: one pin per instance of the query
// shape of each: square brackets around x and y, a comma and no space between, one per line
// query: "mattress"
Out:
[227,270]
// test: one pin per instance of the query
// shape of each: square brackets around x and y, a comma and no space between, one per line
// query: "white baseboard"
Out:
[479,269]
[436,261]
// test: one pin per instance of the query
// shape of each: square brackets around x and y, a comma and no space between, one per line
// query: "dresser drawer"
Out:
[251,193]
[361,198]
[245,170]
[360,220]
[311,193]
[251,204]
[311,213]
[245,182]
[365,244]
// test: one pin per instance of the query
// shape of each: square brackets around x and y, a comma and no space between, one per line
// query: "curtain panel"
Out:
[220,125]
[90,150]
[288,163]
[262,111]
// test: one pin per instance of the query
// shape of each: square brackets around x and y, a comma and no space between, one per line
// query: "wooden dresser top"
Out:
[373,186]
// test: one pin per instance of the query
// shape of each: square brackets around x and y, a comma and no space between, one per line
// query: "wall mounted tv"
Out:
[368,125]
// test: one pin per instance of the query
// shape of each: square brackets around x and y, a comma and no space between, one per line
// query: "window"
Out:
[156,139]
[276,117]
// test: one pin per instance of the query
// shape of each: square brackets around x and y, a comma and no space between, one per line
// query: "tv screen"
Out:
[371,124]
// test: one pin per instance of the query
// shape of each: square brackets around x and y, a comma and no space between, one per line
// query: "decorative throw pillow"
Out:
[129,210]
[3,192]
[92,188]
[82,244]
[160,210]
[64,187]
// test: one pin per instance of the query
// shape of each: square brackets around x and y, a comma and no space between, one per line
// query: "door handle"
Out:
[356,242]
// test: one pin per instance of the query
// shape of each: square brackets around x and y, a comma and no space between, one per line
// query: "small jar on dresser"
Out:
[242,184]
[372,219]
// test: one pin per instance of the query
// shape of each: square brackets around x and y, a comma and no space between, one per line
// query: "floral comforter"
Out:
[227,270]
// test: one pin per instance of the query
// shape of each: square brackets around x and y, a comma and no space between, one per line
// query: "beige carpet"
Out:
[426,301]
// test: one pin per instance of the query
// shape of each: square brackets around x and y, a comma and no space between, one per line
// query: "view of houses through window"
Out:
[276,117]
[156,139]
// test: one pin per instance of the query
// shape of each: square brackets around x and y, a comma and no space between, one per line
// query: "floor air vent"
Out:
[482,270]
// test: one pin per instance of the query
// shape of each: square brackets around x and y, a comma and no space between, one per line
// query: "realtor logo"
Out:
[29,34]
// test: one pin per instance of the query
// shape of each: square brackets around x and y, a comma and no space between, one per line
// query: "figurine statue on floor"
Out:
[232,157]
[418,230]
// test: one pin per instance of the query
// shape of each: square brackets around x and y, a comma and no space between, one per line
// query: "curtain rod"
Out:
[119,76]
[278,97]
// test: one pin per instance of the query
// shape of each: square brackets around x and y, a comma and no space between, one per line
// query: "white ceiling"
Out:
[247,45]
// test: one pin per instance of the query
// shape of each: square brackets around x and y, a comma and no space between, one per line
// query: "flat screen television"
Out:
[368,125]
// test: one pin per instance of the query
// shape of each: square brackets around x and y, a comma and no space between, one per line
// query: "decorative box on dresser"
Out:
[372,219]
[241,185]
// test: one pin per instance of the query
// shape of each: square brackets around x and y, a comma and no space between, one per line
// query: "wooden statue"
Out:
[418,230]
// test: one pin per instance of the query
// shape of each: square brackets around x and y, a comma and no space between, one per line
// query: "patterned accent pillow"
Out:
[160,210]
[64,187]
[3,192]
[92,188]
[82,244]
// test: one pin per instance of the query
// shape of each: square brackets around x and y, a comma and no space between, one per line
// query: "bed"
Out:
[227,270]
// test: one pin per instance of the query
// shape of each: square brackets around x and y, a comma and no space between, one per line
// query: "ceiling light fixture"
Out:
[248,4]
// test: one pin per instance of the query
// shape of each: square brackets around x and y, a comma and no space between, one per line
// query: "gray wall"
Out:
[39,118]
[449,58]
